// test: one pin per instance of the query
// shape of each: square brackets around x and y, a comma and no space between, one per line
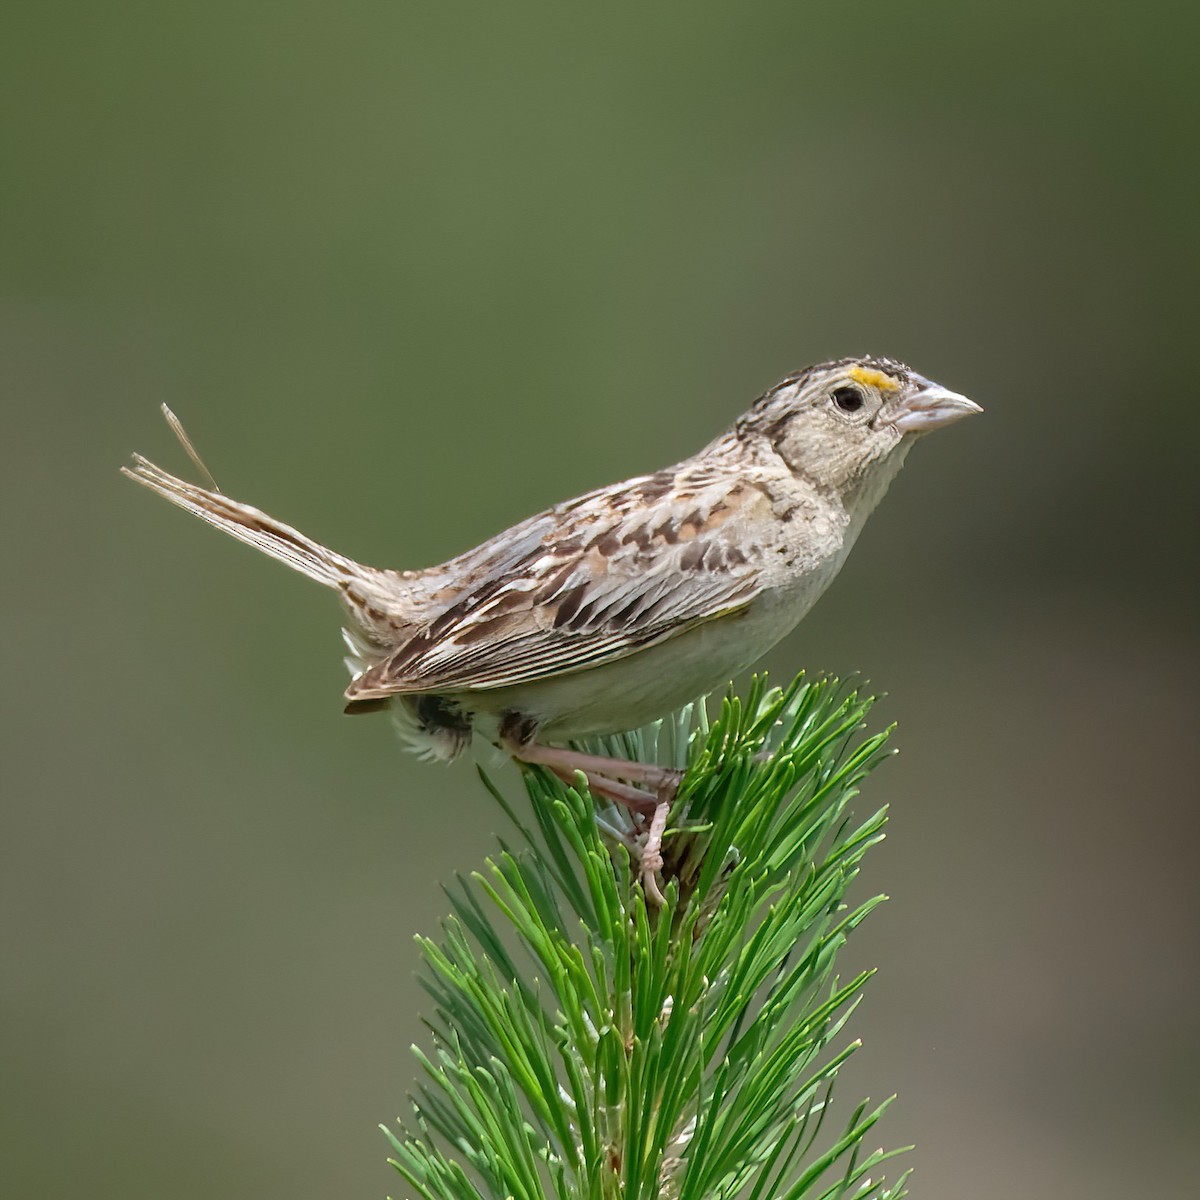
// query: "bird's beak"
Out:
[930,408]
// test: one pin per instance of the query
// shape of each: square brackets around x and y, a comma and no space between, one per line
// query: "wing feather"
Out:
[584,584]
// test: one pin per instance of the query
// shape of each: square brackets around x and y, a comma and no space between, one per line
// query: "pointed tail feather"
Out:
[249,525]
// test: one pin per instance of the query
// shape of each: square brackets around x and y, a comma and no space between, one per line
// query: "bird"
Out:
[610,610]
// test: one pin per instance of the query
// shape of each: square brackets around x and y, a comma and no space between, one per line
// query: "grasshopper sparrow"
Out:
[608,611]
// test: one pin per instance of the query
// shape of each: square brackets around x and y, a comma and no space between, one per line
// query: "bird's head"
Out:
[846,426]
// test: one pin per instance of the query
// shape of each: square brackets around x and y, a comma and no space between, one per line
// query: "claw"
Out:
[607,777]
[652,859]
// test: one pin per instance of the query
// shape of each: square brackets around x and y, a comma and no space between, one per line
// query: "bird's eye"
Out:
[848,399]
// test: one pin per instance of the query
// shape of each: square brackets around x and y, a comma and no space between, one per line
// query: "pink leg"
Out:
[611,768]
[652,859]
[631,798]
[604,775]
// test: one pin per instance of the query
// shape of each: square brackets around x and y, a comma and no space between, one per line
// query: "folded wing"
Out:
[609,574]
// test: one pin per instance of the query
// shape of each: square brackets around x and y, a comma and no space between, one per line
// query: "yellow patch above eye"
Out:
[875,379]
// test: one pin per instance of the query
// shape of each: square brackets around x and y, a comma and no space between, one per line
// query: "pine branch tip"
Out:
[665,1028]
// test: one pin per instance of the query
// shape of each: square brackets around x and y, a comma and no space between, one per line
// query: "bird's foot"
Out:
[614,778]
[606,771]
[652,859]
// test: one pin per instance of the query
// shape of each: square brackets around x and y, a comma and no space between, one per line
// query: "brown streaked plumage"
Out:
[617,570]
[609,610]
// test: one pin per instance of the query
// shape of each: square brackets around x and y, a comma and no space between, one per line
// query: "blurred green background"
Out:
[410,272]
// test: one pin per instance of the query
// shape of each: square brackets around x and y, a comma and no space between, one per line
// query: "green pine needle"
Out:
[588,1045]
